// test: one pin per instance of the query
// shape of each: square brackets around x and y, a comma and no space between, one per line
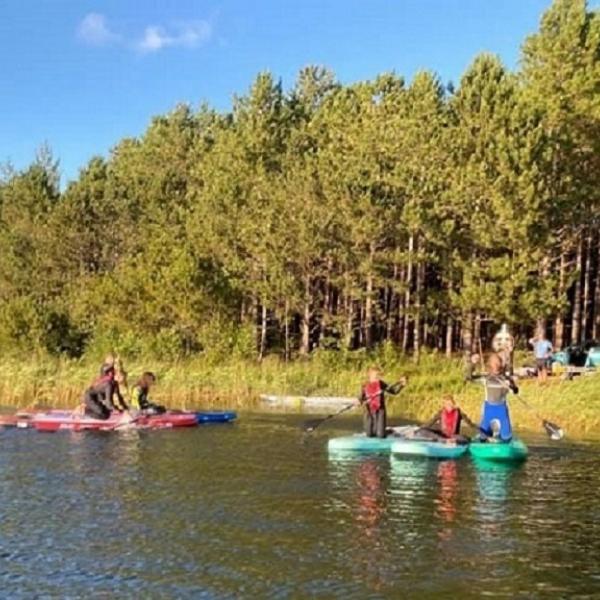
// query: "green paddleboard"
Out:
[513,451]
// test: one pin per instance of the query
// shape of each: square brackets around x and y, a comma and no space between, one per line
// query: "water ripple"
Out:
[258,510]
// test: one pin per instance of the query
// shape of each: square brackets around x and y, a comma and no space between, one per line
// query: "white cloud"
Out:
[94,30]
[189,34]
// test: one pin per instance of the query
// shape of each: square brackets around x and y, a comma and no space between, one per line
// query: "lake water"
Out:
[255,510]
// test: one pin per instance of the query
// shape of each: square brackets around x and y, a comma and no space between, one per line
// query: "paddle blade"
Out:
[554,431]
[309,426]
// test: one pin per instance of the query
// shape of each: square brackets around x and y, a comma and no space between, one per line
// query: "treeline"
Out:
[326,216]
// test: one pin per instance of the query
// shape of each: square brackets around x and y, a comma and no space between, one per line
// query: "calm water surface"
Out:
[255,511]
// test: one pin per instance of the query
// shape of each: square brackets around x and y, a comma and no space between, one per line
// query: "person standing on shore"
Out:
[503,345]
[542,350]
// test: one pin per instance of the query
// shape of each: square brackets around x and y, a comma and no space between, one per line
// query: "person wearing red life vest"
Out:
[372,397]
[447,422]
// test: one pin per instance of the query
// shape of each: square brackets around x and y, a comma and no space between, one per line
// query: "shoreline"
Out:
[237,385]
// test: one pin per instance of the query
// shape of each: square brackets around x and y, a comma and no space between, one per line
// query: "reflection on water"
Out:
[251,511]
[371,497]
[493,481]
[446,509]
[477,526]
[371,501]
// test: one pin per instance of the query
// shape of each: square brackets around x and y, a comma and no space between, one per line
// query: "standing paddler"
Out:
[372,398]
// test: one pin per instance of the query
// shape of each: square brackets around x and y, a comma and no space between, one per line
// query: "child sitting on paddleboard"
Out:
[372,397]
[446,423]
[139,395]
[495,419]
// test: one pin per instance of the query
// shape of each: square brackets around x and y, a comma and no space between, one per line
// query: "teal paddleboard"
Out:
[513,451]
[361,443]
[428,449]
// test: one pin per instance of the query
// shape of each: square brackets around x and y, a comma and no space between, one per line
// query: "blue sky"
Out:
[80,75]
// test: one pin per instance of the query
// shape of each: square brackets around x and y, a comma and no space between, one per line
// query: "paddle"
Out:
[554,431]
[310,426]
[123,424]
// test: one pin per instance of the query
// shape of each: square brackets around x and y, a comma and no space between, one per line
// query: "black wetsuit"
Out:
[372,395]
[98,399]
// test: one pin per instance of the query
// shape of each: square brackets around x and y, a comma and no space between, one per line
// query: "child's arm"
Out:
[120,398]
[107,390]
[512,386]
[135,399]
[362,397]
[395,388]
[467,420]
[433,421]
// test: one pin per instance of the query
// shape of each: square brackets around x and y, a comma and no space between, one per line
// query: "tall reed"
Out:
[201,383]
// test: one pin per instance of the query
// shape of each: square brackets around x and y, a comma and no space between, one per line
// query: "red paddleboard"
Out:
[21,421]
[62,420]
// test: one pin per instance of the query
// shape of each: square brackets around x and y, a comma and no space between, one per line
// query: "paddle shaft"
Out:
[331,416]
[344,409]
[552,429]
[121,424]
[529,407]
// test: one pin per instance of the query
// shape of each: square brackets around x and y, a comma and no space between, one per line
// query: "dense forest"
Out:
[326,216]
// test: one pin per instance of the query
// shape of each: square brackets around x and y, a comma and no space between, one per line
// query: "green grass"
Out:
[198,383]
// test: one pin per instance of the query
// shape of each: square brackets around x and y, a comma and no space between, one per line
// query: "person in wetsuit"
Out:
[111,364]
[446,423]
[139,395]
[495,418]
[99,398]
[372,397]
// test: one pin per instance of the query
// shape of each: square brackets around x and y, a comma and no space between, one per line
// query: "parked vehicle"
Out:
[577,359]
[593,357]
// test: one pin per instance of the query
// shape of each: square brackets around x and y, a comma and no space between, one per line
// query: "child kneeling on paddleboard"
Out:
[495,419]
[372,397]
[446,423]
[99,398]
[139,395]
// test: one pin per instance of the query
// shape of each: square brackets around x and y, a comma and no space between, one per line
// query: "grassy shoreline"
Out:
[197,383]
